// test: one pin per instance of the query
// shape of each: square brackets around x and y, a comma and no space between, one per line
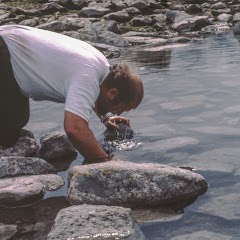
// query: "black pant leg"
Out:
[14,107]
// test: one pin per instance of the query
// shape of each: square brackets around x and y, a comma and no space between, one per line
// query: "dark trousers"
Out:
[14,107]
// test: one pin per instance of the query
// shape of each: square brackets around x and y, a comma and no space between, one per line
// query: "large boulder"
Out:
[25,190]
[13,166]
[56,146]
[94,222]
[134,185]
[26,146]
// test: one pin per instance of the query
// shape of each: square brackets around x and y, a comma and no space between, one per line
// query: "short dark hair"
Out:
[129,85]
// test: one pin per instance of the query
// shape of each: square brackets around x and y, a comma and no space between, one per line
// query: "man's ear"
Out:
[113,94]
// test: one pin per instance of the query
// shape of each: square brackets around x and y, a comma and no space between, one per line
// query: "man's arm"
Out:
[82,138]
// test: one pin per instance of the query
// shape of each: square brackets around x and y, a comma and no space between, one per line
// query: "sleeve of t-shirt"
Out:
[82,95]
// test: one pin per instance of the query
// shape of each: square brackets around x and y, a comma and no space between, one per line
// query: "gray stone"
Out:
[94,222]
[120,16]
[12,166]
[176,16]
[224,17]
[7,231]
[139,4]
[25,190]
[94,11]
[134,185]
[30,22]
[56,146]
[25,146]
[236,17]
[236,29]
[57,26]
[218,5]
[49,8]
[191,24]
[193,9]
[141,21]
[79,3]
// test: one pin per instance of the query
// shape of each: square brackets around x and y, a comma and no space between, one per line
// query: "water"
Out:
[190,116]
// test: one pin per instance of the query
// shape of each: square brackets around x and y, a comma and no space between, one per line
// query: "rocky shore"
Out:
[104,194]
[111,25]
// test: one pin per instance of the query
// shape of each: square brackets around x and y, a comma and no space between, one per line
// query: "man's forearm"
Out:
[87,145]
[82,137]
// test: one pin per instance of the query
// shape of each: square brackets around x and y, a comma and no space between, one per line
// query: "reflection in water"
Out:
[33,222]
[158,58]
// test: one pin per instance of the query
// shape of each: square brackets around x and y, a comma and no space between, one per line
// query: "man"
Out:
[44,65]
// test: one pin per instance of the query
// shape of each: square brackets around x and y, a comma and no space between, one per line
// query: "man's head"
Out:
[121,91]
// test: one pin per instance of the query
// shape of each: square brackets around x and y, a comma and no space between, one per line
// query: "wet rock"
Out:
[134,185]
[25,190]
[94,222]
[124,132]
[56,146]
[176,16]
[13,165]
[7,231]
[25,146]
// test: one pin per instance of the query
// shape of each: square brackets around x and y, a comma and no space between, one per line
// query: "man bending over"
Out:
[44,65]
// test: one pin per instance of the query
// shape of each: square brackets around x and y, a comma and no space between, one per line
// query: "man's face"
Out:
[107,103]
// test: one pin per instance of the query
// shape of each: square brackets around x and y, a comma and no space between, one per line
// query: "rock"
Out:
[224,17]
[94,222]
[124,132]
[191,24]
[57,26]
[139,4]
[50,8]
[120,16]
[13,166]
[56,146]
[30,22]
[218,5]
[141,21]
[176,16]
[236,29]
[7,231]
[22,191]
[134,185]
[193,9]
[94,11]
[79,3]
[236,17]
[25,146]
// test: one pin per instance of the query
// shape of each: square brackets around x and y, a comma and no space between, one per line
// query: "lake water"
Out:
[190,116]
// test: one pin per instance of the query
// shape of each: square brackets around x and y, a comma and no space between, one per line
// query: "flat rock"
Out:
[12,166]
[7,231]
[134,185]
[25,190]
[56,146]
[94,222]
[25,146]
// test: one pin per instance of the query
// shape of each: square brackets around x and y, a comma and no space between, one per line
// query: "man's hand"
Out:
[113,121]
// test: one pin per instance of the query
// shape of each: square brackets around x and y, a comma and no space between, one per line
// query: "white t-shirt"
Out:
[51,66]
